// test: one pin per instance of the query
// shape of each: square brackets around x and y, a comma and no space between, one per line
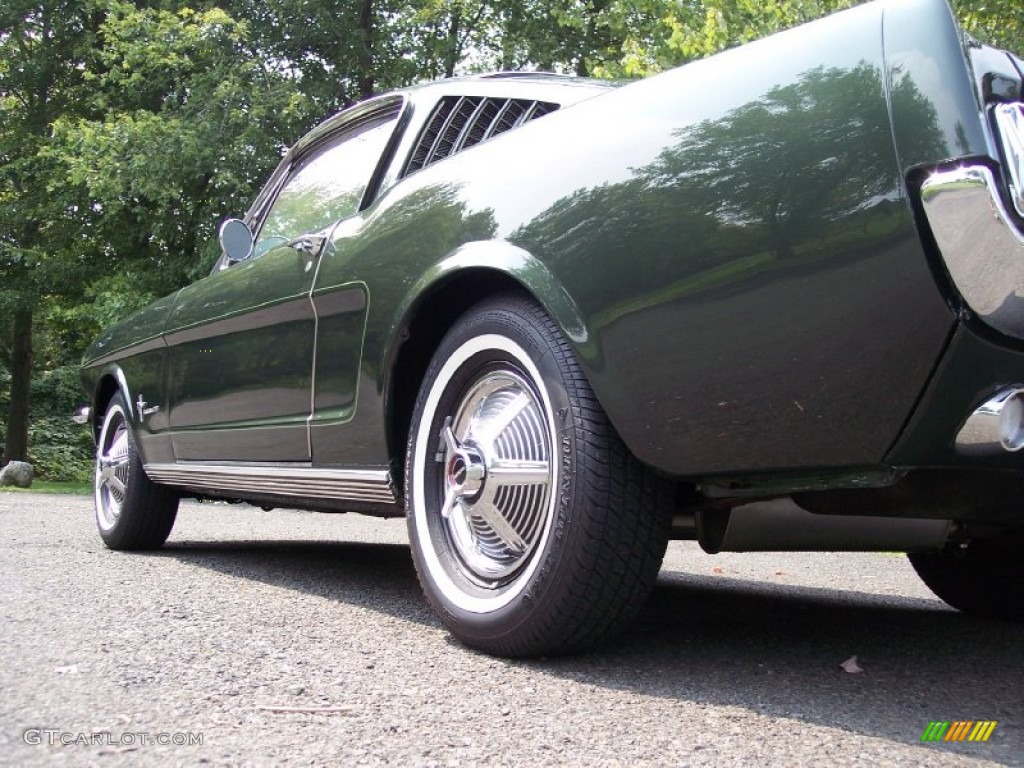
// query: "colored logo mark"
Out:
[958,730]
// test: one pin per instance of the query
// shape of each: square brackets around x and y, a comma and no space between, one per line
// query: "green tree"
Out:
[331,51]
[127,133]
[43,49]
[189,122]
[997,22]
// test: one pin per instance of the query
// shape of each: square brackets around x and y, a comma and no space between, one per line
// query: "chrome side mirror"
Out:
[235,239]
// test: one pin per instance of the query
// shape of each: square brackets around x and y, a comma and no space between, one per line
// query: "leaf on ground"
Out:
[851,666]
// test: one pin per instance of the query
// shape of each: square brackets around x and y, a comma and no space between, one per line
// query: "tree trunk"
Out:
[16,443]
[453,50]
[366,82]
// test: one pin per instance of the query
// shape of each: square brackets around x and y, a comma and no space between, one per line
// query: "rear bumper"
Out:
[970,415]
[980,244]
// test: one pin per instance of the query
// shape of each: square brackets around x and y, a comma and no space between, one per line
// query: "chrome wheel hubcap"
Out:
[495,453]
[111,482]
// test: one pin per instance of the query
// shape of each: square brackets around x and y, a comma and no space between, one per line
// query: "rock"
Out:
[17,473]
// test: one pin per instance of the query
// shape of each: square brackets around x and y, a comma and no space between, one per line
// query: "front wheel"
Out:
[533,529]
[132,512]
[984,577]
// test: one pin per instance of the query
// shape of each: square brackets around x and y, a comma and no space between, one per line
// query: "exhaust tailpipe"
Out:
[996,425]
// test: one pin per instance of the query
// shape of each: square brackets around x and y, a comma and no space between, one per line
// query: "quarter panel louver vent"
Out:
[459,122]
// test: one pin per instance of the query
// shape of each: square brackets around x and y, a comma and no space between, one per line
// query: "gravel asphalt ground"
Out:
[288,638]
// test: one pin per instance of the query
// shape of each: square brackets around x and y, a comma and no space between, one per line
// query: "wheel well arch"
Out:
[109,384]
[428,321]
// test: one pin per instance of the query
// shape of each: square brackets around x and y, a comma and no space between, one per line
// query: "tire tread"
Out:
[985,579]
[149,509]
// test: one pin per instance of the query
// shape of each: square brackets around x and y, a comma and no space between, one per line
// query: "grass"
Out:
[53,486]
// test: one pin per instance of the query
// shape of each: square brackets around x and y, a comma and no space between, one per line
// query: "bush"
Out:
[59,449]
[56,392]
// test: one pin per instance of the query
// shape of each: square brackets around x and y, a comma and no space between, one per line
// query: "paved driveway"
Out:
[301,639]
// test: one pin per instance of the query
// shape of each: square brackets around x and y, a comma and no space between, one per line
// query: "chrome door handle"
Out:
[309,245]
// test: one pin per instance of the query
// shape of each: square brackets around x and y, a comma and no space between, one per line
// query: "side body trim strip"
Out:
[297,482]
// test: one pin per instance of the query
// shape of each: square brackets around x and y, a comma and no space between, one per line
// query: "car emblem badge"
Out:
[143,410]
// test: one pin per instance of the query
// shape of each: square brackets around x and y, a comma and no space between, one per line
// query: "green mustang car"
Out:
[773,299]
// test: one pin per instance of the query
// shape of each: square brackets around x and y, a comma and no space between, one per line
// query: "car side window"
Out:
[326,186]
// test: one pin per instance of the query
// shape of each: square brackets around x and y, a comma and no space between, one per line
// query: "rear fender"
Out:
[504,258]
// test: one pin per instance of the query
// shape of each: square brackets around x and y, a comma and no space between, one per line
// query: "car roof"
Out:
[537,86]
[563,90]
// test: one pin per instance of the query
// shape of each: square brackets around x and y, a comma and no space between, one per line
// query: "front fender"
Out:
[138,382]
[108,381]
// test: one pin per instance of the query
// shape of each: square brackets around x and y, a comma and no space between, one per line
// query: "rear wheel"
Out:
[533,529]
[132,512]
[985,577]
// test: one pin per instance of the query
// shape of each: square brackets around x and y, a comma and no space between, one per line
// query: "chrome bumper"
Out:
[1010,124]
[980,244]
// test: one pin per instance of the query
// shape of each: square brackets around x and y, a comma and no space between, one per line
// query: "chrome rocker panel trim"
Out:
[982,248]
[357,485]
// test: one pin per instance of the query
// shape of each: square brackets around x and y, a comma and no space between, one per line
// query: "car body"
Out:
[767,300]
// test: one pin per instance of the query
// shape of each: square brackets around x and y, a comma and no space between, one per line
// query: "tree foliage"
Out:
[996,22]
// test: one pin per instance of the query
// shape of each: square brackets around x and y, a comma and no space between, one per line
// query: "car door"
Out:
[241,342]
